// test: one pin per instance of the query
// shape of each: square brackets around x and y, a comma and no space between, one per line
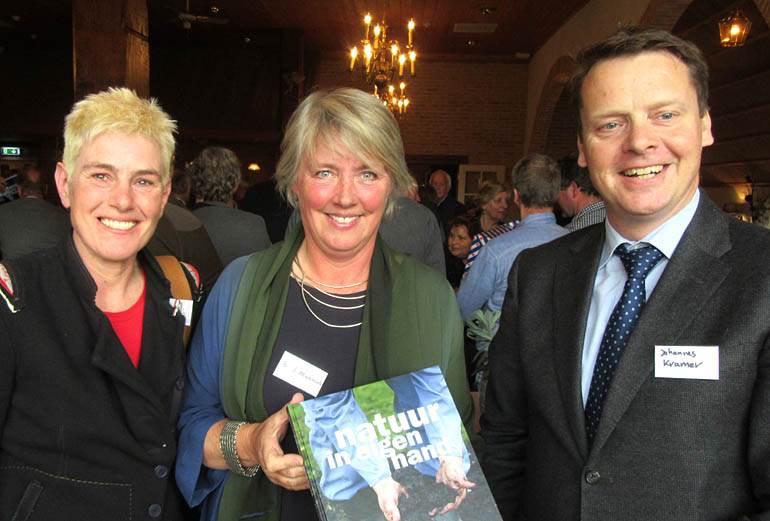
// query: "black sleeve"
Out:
[7,368]
[504,424]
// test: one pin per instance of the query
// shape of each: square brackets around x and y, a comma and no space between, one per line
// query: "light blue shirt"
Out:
[611,277]
[487,279]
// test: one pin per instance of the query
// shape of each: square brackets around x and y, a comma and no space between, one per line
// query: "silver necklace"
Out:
[317,283]
[305,292]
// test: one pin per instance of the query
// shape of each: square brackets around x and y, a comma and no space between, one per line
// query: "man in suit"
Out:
[447,207]
[666,414]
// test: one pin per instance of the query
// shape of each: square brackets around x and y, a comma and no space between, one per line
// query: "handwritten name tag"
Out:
[183,306]
[301,374]
[690,362]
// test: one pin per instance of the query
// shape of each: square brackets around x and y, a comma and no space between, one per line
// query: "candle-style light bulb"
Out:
[412,59]
[401,62]
[377,30]
[353,55]
[367,21]
[367,54]
[410,26]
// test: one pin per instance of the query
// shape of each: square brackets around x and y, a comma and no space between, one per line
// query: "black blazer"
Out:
[666,449]
[84,434]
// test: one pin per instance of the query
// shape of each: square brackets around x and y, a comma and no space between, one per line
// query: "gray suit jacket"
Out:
[666,449]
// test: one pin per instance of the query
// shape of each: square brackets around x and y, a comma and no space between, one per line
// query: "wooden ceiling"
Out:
[518,28]
[336,25]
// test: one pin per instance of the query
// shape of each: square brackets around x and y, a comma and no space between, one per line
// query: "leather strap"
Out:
[180,286]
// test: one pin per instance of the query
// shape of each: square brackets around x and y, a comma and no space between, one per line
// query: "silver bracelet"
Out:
[227,444]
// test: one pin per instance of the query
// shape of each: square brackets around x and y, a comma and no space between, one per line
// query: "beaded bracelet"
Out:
[227,444]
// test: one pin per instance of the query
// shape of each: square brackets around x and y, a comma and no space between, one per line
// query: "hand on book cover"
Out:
[285,470]
[388,491]
[452,474]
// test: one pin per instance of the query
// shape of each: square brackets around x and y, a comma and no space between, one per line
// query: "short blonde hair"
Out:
[118,110]
[359,121]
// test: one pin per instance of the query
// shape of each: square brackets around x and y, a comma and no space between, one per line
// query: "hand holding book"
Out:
[285,470]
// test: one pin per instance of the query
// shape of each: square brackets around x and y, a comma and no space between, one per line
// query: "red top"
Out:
[128,326]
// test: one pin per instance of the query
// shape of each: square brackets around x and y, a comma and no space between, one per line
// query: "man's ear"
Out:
[581,159]
[62,186]
[707,137]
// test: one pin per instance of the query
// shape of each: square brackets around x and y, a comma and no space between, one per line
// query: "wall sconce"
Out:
[254,167]
[734,29]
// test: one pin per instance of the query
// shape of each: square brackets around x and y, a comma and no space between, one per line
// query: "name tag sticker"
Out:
[303,375]
[689,362]
[183,306]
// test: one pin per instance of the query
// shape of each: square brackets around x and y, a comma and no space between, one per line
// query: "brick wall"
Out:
[562,133]
[457,108]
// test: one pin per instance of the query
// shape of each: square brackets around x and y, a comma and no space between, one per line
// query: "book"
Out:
[389,449]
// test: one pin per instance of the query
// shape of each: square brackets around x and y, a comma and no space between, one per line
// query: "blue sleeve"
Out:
[202,404]
[478,285]
[341,481]
[427,388]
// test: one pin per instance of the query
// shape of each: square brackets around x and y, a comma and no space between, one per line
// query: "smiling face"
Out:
[459,241]
[642,138]
[115,197]
[341,201]
[496,208]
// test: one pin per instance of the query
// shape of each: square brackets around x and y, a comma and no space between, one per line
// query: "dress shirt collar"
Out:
[665,237]
[540,217]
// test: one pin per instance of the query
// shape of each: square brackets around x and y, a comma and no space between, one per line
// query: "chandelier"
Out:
[734,29]
[384,63]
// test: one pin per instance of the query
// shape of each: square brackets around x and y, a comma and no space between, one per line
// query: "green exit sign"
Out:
[10,151]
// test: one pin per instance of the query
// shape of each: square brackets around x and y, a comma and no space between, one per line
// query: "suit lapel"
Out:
[573,286]
[692,276]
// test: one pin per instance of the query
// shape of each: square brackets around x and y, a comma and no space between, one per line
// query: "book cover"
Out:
[392,450]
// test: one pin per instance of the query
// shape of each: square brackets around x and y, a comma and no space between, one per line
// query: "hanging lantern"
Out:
[734,29]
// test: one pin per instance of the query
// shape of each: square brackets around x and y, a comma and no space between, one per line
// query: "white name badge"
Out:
[183,306]
[303,375]
[689,362]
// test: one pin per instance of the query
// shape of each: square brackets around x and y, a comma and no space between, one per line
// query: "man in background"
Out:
[447,207]
[30,223]
[578,198]
[536,181]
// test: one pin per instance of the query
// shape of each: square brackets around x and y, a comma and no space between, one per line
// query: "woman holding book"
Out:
[329,308]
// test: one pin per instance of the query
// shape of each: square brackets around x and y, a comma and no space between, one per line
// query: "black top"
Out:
[454,269]
[77,419]
[331,349]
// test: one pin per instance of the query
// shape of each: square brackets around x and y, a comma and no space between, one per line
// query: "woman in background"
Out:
[458,246]
[492,207]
